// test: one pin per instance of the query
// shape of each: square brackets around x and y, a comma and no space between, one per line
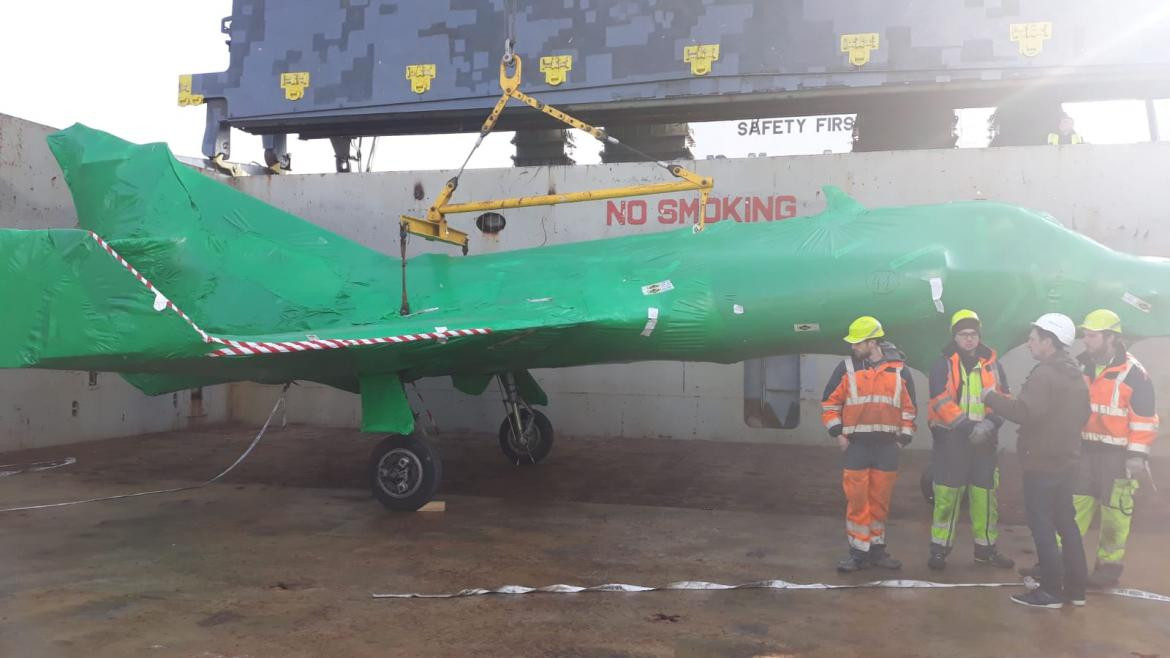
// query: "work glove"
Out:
[1136,465]
[835,431]
[982,432]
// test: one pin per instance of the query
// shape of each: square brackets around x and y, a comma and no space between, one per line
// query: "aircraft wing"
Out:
[175,279]
[76,303]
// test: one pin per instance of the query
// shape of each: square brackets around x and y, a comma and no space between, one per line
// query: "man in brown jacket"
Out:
[1051,409]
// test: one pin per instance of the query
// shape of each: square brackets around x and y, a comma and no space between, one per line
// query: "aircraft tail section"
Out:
[234,262]
[70,304]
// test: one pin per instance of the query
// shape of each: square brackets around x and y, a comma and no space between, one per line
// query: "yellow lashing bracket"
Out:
[230,168]
[420,76]
[859,46]
[185,96]
[701,57]
[1030,36]
[434,226]
[294,84]
[556,69]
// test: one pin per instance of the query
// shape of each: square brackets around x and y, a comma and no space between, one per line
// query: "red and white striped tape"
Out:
[160,300]
[243,348]
[247,348]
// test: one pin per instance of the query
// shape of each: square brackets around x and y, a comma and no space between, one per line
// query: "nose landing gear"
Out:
[526,435]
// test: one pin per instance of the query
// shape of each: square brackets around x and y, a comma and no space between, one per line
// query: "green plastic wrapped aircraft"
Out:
[175,280]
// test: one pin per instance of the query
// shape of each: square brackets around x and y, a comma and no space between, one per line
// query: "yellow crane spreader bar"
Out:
[434,226]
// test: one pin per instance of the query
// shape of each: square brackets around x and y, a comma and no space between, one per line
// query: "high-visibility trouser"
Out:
[1103,484]
[981,503]
[871,468]
[1116,516]
[959,468]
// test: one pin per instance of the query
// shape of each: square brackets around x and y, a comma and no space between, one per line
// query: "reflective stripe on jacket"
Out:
[867,399]
[1121,398]
[951,400]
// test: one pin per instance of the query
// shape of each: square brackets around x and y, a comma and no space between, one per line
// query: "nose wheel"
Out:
[526,435]
[530,443]
[404,472]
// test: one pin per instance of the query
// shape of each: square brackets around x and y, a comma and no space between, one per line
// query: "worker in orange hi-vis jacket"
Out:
[868,407]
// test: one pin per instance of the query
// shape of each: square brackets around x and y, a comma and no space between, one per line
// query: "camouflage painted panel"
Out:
[357,53]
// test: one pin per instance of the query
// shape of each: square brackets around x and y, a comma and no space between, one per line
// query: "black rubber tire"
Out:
[404,472]
[539,448]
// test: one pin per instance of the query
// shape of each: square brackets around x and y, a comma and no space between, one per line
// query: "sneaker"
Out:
[878,557]
[852,563]
[1105,576]
[937,562]
[1038,598]
[1030,572]
[994,558]
[1075,601]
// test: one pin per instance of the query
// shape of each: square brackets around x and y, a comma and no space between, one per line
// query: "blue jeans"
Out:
[1048,499]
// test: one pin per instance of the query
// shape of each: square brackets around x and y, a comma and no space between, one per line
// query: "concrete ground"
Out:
[281,558]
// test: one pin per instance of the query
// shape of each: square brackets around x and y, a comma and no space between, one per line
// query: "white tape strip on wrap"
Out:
[1136,302]
[936,293]
[651,321]
[761,584]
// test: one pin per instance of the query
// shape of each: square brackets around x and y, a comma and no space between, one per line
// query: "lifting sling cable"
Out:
[434,225]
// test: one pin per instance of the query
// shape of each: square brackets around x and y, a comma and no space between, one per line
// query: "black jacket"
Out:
[1051,409]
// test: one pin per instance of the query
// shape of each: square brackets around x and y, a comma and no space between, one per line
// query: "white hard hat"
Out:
[1060,325]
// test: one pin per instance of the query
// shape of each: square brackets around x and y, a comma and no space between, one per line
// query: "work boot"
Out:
[852,563]
[1106,575]
[1038,598]
[991,557]
[1030,572]
[855,562]
[878,557]
[937,561]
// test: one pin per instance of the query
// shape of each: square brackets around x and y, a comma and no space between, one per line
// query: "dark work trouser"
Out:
[1048,499]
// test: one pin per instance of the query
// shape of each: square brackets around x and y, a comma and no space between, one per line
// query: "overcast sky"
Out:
[114,65]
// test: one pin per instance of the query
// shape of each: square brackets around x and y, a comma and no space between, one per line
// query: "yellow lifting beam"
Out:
[434,226]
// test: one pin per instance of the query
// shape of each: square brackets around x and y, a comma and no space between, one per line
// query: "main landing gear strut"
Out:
[405,471]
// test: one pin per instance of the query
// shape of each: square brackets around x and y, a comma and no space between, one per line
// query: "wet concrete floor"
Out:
[280,559]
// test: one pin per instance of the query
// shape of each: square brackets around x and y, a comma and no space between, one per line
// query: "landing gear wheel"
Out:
[533,443]
[404,472]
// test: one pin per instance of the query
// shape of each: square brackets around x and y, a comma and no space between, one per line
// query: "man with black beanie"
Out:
[965,437]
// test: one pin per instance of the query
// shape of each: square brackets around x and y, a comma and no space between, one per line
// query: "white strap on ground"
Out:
[222,473]
[32,467]
[760,584]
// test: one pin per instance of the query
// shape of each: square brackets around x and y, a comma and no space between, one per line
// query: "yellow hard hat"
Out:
[964,314]
[1102,320]
[863,329]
